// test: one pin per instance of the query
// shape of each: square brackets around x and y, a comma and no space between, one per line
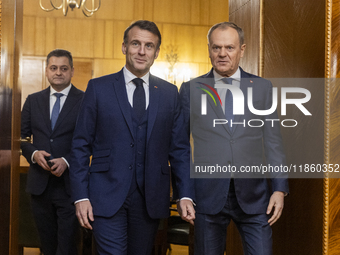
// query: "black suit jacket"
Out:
[35,121]
[244,146]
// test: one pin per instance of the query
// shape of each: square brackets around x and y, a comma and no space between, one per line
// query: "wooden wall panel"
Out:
[82,73]
[251,27]
[119,28]
[106,66]
[78,38]
[99,38]
[332,123]
[183,24]
[289,37]
[218,11]
[29,35]
[50,35]
[10,88]
[34,76]
[109,39]
[40,36]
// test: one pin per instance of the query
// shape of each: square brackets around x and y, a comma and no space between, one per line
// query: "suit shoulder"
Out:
[39,93]
[77,91]
[158,82]
[105,78]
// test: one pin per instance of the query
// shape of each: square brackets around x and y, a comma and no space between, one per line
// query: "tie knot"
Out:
[58,95]
[138,82]
[228,80]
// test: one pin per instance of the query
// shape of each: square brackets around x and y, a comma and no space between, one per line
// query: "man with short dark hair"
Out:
[49,117]
[131,124]
[222,196]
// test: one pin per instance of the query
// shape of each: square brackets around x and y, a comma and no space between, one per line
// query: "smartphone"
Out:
[49,163]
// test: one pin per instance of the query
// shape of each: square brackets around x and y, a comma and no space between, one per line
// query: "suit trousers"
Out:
[54,214]
[211,230]
[130,231]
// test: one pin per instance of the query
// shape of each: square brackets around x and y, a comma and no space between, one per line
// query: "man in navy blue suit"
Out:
[131,124]
[223,140]
[49,116]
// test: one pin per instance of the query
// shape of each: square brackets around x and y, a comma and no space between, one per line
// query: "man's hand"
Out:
[59,166]
[186,210]
[84,213]
[39,158]
[277,201]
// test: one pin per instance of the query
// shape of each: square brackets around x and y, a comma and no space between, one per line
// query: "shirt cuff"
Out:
[32,157]
[186,198]
[66,162]
[81,200]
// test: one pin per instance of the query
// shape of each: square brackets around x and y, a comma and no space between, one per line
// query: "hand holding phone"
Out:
[49,163]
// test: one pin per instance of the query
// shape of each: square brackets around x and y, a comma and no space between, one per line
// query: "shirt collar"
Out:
[65,91]
[128,76]
[235,76]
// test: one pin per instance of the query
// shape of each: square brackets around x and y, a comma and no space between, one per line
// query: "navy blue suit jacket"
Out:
[35,120]
[105,131]
[244,146]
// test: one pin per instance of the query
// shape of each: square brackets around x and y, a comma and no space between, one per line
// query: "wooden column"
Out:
[10,106]
[331,233]
[290,41]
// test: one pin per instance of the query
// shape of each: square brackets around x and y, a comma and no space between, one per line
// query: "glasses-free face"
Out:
[141,50]
[225,51]
[59,72]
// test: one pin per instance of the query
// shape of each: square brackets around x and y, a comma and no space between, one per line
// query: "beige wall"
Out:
[183,24]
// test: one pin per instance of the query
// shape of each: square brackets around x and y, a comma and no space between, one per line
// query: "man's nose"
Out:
[141,50]
[58,72]
[223,52]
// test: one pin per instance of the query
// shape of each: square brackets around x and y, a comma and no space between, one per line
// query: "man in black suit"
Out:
[221,197]
[49,117]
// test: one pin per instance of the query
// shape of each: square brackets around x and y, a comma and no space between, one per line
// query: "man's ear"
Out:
[243,47]
[156,53]
[124,48]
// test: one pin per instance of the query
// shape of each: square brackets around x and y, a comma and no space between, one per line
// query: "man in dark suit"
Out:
[131,124]
[49,117]
[224,140]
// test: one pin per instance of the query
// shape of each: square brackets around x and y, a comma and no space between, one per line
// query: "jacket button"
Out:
[232,141]
[130,167]
[51,140]
[132,144]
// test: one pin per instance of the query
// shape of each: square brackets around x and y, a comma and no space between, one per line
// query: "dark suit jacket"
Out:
[105,131]
[245,146]
[35,120]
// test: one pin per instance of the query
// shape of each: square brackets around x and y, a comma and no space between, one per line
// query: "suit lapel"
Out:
[154,93]
[44,106]
[70,102]
[217,109]
[244,84]
[122,99]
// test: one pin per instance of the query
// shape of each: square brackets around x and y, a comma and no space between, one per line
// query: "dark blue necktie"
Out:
[228,104]
[139,98]
[56,109]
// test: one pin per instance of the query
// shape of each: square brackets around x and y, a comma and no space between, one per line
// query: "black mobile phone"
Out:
[49,163]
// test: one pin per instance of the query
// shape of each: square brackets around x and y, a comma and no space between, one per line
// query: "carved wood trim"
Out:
[261,51]
[328,37]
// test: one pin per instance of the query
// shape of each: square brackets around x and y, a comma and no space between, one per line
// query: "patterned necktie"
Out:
[228,104]
[56,109]
[139,98]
